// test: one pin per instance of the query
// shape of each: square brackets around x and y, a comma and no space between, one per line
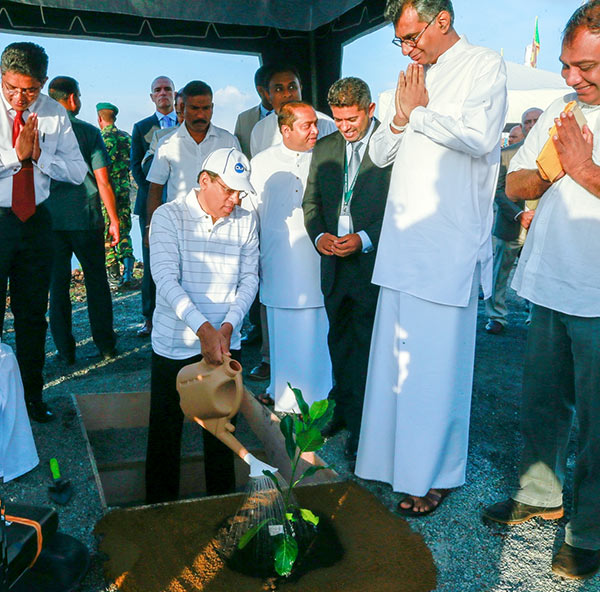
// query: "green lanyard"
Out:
[348,190]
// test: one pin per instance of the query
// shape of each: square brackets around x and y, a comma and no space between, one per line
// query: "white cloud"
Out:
[229,102]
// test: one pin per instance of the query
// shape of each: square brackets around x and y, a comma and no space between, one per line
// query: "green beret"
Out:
[108,106]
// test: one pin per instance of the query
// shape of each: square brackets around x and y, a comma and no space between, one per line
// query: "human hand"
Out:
[346,245]
[115,232]
[226,330]
[525,218]
[213,343]
[325,244]
[412,91]
[27,138]
[573,145]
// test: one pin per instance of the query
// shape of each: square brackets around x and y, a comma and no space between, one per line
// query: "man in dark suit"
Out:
[510,229]
[343,205]
[163,96]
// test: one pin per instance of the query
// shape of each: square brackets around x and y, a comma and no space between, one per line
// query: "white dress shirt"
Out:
[290,268]
[203,271]
[266,132]
[179,159]
[559,267]
[438,217]
[60,157]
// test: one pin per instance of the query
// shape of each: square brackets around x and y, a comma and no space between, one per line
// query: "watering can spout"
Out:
[257,466]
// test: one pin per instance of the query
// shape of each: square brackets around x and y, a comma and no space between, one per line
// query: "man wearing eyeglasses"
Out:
[37,144]
[204,261]
[443,138]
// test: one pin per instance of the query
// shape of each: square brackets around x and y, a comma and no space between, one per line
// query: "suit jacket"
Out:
[506,227]
[141,136]
[322,203]
[243,127]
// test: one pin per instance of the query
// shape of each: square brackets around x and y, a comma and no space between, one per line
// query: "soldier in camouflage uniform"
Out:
[118,145]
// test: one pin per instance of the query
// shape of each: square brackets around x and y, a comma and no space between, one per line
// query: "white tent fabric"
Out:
[531,87]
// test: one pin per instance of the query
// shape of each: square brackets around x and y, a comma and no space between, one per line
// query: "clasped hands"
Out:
[410,93]
[329,244]
[573,145]
[27,145]
[215,342]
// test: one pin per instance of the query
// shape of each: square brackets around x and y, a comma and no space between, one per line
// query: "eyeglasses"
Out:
[412,41]
[230,192]
[30,92]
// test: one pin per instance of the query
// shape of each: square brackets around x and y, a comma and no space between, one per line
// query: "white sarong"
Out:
[299,355]
[18,454]
[415,423]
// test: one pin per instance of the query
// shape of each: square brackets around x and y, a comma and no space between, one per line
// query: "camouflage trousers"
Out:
[124,248]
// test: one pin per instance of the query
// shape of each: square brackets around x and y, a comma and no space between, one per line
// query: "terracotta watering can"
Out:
[211,396]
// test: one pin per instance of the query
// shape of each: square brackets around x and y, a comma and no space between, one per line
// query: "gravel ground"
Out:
[469,555]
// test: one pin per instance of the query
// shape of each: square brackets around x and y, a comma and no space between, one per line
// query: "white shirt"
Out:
[290,267]
[438,218]
[559,267]
[266,132]
[179,159]
[60,157]
[203,272]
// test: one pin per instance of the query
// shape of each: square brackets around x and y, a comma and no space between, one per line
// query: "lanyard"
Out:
[348,190]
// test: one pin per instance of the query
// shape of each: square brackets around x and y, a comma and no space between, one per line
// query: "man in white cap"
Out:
[204,261]
[290,267]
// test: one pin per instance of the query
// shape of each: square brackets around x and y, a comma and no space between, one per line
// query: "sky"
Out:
[121,73]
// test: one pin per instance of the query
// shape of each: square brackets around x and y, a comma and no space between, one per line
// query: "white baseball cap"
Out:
[232,166]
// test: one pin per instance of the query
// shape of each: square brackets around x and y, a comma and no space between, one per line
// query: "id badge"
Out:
[344,224]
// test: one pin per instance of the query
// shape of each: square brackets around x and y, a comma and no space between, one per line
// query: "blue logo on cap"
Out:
[239,167]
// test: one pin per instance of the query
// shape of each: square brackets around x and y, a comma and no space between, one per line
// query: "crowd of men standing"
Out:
[372,239]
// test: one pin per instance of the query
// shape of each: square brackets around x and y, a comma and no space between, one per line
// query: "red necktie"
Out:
[23,192]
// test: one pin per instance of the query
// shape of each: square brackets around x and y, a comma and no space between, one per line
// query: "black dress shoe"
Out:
[494,327]
[260,372]
[145,330]
[351,447]
[38,411]
[576,563]
[252,336]
[512,512]
[337,424]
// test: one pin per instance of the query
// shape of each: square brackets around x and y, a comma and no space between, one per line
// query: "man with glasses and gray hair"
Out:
[37,144]
[204,261]
[443,138]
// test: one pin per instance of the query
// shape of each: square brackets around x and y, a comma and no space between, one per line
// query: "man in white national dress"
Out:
[443,136]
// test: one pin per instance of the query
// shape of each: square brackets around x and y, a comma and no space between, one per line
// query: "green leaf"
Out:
[249,534]
[301,402]
[309,472]
[287,429]
[308,516]
[285,555]
[289,516]
[274,479]
[309,440]
[325,418]
[299,425]
[318,408]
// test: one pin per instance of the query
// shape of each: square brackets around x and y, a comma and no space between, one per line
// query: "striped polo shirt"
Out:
[203,271]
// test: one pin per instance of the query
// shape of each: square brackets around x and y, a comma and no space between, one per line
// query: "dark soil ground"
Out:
[468,555]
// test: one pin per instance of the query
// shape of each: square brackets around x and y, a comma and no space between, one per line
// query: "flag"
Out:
[535,46]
